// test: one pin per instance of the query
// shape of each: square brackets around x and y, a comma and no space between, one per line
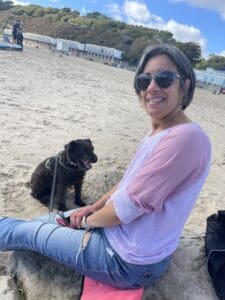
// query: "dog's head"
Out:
[81,153]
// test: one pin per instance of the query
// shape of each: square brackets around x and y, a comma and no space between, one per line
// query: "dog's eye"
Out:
[83,149]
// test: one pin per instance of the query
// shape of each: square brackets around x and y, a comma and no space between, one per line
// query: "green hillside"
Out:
[93,28]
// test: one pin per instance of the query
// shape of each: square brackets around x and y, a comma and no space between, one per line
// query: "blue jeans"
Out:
[86,251]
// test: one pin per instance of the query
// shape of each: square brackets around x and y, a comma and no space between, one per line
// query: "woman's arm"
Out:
[101,202]
[106,216]
[77,215]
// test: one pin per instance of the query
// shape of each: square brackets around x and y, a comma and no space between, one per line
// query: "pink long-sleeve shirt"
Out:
[157,193]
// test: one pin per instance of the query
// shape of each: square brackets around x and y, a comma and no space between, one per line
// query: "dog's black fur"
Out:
[73,162]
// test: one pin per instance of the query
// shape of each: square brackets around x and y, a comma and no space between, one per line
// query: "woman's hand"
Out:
[77,215]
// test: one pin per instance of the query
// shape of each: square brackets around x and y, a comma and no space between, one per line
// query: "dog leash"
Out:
[52,214]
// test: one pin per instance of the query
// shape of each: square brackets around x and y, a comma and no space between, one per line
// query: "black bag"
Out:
[215,251]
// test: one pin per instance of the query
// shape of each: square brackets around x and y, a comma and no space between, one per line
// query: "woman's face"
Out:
[160,102]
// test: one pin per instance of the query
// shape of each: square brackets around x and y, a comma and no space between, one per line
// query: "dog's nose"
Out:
[94,159]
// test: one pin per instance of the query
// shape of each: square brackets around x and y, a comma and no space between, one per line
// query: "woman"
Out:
[132,231]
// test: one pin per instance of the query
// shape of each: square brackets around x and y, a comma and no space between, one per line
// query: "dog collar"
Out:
[49,164]
[73,164]
[70,161]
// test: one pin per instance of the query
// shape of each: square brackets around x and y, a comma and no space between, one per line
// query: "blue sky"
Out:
[201,21]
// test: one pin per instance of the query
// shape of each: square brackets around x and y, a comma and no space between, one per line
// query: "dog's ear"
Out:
[71,146]
[89,141]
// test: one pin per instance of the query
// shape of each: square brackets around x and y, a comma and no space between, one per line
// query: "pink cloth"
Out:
[94,290]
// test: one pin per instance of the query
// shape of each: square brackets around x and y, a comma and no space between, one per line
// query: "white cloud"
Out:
[222,53]
[114,8]
[16,2]
[186,33]
[115,11]
[137,13]
[83,11]
[118,18]
[183,33]
[54,1]
[215,5]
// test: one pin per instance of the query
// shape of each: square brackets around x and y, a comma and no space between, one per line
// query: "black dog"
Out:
[72,164]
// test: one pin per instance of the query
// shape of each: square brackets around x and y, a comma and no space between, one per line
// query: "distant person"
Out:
[19,40]
[6,38]
[127,238]
[16,26]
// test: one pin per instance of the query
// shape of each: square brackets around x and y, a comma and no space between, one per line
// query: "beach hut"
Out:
[103,53]
[35,39]
[211,79]
[68,46]
[62,46]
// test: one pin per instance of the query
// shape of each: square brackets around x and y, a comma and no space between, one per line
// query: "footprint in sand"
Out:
[5,176]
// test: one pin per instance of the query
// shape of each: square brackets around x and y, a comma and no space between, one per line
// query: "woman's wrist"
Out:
[84,223]
[97,206]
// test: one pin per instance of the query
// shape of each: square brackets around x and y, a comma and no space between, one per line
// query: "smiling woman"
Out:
[126,239]
[165,84]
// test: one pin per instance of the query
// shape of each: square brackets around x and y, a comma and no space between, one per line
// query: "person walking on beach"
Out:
[15,28]
[19,40]
[127,238]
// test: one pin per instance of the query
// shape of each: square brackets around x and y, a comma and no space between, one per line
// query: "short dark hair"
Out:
[181,62]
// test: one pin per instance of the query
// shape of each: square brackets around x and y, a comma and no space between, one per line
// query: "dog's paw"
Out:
[27,184]
[62,207]
[80,203]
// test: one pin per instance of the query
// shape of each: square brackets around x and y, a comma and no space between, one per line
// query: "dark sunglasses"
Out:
[164,79]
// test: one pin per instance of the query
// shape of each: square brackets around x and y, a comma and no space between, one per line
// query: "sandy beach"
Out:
[48,99]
